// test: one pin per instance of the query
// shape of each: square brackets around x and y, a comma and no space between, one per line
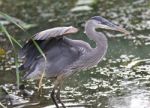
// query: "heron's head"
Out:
[103,23]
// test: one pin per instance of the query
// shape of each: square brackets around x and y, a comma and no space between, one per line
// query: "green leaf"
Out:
[11,39]
[39,49]
[7,34]
[21,24]
[11,19]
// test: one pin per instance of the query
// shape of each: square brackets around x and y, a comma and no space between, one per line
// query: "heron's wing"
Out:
[59,53]
[55,32]
[30,52]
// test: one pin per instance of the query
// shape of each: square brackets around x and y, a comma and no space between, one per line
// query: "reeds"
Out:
[13,41]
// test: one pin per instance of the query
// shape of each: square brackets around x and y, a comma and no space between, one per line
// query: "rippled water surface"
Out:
[121,80]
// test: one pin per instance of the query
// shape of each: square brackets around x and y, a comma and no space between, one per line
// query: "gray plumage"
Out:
[65,56]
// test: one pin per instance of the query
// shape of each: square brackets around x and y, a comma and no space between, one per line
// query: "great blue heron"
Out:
[65,56]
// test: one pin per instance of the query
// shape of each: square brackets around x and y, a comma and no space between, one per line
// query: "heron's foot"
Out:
[57,86]
[58,98]
[53,98]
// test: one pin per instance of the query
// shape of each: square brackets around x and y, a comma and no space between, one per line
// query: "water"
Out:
[121,80]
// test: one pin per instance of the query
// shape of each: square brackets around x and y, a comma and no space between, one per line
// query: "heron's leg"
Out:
[58,84]
[58,96]
[53,97]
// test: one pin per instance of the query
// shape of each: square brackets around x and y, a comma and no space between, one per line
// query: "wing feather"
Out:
[54,32]
[45,39]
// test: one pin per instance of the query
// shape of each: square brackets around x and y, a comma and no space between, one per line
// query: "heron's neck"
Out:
[99,38]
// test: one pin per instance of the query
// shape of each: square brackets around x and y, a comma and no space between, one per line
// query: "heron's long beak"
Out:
[120,29]
[113,27]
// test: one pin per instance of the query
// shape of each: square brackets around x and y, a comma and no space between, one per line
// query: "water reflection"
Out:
[137,98]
